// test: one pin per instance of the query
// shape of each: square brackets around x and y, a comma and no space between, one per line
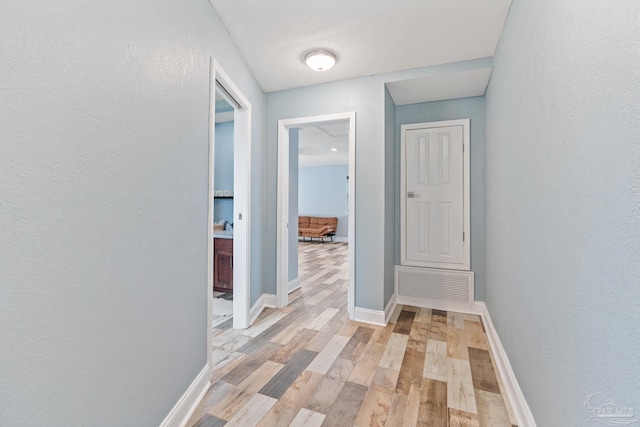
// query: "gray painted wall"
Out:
[390,198]
[293,203]
[323,192]
[223,179]
[103,212]
[563,203]
[466,108]
[365,96]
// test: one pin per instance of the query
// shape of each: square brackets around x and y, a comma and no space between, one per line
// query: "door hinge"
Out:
[463,236]
[463,148]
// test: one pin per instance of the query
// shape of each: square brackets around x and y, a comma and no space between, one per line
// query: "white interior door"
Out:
[435,227]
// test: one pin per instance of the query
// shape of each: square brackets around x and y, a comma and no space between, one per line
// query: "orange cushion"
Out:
[315,226]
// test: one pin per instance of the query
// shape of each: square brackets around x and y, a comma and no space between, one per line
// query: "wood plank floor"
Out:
[217,317]
[309,365]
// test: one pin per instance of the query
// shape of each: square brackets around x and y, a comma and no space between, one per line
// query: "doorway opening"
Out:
[298,142]
[229,203]
[223,201]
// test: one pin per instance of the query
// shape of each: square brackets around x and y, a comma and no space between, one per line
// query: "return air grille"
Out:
[434,284]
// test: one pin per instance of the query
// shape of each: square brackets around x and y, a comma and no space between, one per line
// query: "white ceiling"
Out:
[315,143]
[223,112]
[440,86]
[369,36]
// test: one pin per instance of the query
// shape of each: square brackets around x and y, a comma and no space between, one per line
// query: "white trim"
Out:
[366,315]
[265,300]
[282,234]
[340,239]
[282,226]
[466,264]
[376,317]
[212,110]
[512,390]
[241,201]
[188,402]
[470,308]
[293,285]
[388,310]
[351,292]
[519,405]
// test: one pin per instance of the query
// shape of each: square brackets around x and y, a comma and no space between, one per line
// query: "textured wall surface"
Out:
[563,203]
[223,179]
[323,192]
[104,115]
[366,97]
[466,108]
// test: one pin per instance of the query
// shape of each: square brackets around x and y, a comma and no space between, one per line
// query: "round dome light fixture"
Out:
[320,59]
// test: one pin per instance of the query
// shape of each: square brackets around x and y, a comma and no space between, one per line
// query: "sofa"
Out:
[317,227]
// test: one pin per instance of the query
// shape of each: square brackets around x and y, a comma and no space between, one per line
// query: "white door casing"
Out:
[435,195]
[241,202]
[282,246]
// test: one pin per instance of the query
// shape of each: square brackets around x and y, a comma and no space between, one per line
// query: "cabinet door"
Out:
[223,265]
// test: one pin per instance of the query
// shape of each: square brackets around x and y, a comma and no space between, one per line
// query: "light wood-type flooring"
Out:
[309,365]
[221,311]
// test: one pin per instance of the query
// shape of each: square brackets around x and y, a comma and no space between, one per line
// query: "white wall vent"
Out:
[434,284]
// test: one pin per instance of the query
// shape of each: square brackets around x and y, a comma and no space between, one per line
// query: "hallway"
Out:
[308,365]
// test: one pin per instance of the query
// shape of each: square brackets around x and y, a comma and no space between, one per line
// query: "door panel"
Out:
[223,265]
[423,228]
[434,168]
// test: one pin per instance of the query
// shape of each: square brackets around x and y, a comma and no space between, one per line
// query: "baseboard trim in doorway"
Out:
[512,390]
[265,300]
[293,285]
[184,408]
[388,310]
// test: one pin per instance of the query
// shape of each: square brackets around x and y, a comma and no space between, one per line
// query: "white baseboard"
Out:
[376,317]
[461,307]
[265,300]
[388,310]
[341,239]
[365,315]
[293,285]
[269,300]
[184,408]
[521,410]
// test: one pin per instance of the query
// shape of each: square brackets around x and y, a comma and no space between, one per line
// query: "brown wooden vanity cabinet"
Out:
[223,265]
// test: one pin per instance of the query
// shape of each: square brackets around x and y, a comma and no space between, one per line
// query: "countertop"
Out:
[223,234]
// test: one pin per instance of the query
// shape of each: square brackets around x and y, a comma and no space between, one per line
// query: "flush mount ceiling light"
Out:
[334,149]
[320,59]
